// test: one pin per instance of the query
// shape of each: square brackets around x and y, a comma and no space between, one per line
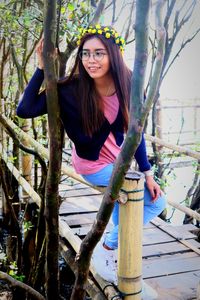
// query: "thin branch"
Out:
[180,50]
[170,8]
[98,12]
[161,36]
[129,21]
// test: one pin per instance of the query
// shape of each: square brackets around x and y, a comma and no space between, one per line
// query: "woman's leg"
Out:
[151,209]
[102,178]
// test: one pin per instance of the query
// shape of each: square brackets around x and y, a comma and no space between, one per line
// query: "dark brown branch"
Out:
[15,283]
[16,226]
[55,156]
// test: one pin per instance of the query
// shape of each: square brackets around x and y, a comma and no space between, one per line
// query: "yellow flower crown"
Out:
[107,32]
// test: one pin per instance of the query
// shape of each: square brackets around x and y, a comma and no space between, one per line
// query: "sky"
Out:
[183,79]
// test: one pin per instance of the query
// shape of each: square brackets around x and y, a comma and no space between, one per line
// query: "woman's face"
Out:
[95,59]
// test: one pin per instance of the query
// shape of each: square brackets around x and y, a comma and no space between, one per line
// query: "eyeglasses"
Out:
[97,55]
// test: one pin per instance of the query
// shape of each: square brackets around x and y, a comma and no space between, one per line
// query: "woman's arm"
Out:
[33,104]
[145,167]
[141,156]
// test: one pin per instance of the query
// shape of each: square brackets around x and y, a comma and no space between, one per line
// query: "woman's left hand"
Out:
[153,188]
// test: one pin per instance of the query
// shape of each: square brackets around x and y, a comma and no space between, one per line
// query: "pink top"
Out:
[110,149]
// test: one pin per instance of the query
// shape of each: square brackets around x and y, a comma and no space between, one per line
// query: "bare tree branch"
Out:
[98,12]
[15,283]
[179,51]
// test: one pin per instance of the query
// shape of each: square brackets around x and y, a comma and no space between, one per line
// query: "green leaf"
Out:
[63,10]
[11,273]
[71,7]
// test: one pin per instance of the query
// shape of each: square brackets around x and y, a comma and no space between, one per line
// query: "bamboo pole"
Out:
[130,236]
[26,159]
[179,149]
[68,170]
[24,137]
[26,186]
[188,211]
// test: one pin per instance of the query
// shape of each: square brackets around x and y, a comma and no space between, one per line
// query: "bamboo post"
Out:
[26,160]
[130,236]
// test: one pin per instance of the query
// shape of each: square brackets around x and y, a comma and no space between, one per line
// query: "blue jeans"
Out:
[151,209]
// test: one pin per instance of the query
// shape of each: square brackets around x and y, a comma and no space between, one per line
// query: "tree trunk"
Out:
[53,177]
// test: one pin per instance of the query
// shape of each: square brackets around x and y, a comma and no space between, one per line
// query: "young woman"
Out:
[94,102]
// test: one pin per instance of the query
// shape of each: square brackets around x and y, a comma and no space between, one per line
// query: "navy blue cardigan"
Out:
[33,104]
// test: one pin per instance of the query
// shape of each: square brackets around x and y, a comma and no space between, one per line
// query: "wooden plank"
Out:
[83,230]
[65,184]
[163,249]
[155,222]
[79,220]
[78,193]
[81,204]
[166,265]
[175,287]
[167,248]
[179,232]
[148,251]
[190,246]
[155,236]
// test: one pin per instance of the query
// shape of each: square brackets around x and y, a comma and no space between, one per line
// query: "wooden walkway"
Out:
[171,254]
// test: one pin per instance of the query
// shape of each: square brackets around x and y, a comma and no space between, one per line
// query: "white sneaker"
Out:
[105,263]
[148,293]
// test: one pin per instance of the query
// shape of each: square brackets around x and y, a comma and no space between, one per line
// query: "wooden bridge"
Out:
[171,254]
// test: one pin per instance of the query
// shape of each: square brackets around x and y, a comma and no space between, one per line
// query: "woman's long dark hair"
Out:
[90,107]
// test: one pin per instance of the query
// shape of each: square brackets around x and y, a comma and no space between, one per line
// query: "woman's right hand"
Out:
[39,50]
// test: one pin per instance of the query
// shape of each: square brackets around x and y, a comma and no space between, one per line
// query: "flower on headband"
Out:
[107,35]
[106,29]
[107,32]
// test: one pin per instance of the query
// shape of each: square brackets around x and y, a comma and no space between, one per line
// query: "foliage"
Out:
[14,272]
[27,225]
